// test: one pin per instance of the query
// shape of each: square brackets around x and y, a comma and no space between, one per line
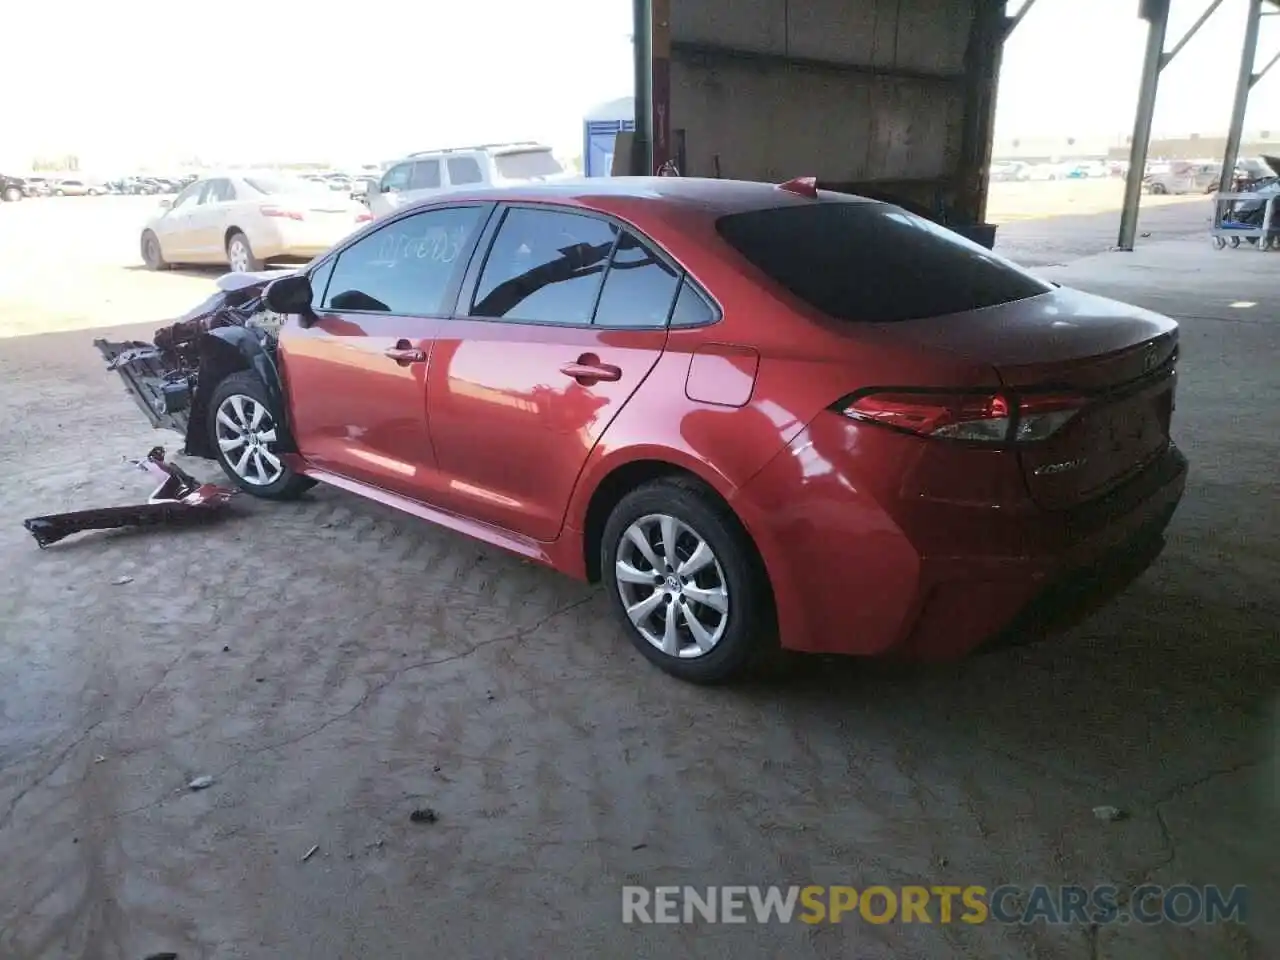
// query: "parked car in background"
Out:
[247,220]
[37,186]
[1008,171]
[1047,171]
[421,174]
[1180,177]
[362,188]
[12,189]
[75,187]
[754,411]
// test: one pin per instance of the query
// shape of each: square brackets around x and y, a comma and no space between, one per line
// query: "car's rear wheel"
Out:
[151,253]
[1159,188]
[246,432]
[240,255]
[686,582]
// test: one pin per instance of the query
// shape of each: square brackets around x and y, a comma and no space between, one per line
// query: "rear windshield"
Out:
[284,185]
[874,263]
[527,164]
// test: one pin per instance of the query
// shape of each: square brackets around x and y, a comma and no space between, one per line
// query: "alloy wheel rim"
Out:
[239,257]
[672,586]
[151,250]
[246,435]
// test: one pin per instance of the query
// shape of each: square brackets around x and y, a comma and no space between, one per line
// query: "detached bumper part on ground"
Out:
[180,500]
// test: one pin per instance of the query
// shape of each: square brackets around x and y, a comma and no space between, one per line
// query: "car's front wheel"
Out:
[686,581]
[247,434]
[12,194]
[152,255]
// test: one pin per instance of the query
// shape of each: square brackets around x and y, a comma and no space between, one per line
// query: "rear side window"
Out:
[426,175]
[527,164]
[464,170]
[874,263]
[638,288]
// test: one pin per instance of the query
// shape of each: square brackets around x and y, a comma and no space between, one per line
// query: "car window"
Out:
[188,197]
[527,164]
[319,278]
[638,289]
[406,267]
[426,175]
[872,262]
[273,186]
[545,266]
[397,178]
[464,170]
[220,191]
[691,309]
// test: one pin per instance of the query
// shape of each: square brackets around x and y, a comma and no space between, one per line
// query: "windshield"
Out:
[872,262]
[527,164]
[284,185]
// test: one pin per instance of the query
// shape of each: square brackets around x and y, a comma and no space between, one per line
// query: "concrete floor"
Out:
[334,666]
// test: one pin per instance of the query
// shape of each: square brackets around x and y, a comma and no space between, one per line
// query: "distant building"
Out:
[1169,145]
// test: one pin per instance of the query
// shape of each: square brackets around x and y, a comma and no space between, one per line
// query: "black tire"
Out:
[152,256]
[12,194]
[251,263]
[750,632]
[1158,189]
[246,386]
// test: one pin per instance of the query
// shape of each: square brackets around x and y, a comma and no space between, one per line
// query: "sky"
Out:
[125,80]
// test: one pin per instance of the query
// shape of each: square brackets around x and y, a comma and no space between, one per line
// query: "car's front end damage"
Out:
[172,377]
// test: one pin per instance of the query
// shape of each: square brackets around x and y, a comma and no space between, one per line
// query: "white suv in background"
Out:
[496,164]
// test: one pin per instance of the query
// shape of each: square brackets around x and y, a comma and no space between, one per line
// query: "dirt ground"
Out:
[333,666]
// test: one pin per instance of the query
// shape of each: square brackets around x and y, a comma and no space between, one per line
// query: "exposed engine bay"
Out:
[171,377]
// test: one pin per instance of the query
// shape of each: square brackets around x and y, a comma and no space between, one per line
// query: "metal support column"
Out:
[982,75]
[1156,13]
[642,141]
[1244,83]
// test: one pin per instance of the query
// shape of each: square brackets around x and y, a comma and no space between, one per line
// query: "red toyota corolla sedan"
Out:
[754,412]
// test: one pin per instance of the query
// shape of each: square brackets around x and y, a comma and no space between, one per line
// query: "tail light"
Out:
[980,417]
[284,212]
[364,217]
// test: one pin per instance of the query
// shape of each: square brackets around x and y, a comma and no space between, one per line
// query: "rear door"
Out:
[177,228]
[560,322]
[357,377]
[211,217]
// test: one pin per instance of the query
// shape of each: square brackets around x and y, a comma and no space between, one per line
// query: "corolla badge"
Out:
[1050,469]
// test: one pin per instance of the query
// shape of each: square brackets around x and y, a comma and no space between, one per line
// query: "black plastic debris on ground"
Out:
[424,815]
[179,500]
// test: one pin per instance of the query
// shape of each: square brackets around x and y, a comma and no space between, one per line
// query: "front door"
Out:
[176,228]
[559,332]
[357,377]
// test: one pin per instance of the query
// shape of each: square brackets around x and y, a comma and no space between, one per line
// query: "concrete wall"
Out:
[850,91]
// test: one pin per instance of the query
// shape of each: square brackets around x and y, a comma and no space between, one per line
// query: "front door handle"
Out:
[404,354]
[588,369]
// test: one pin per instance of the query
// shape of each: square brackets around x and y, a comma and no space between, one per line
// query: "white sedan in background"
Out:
[247,220]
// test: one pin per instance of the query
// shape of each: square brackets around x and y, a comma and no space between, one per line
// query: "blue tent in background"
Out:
[600,129]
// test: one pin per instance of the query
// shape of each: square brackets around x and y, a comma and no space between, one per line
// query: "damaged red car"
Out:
[757,413]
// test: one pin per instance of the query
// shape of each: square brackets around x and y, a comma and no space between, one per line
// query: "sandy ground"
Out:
[1011,202]
[334,666]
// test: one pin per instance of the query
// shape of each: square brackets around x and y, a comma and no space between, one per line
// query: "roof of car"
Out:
[716,197]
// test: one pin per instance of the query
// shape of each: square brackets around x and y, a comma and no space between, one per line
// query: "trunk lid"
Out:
[1120,359]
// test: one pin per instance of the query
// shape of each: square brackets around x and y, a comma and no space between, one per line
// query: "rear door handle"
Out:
[589,369]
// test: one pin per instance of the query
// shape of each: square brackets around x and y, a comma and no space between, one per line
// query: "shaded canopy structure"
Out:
[888,98]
